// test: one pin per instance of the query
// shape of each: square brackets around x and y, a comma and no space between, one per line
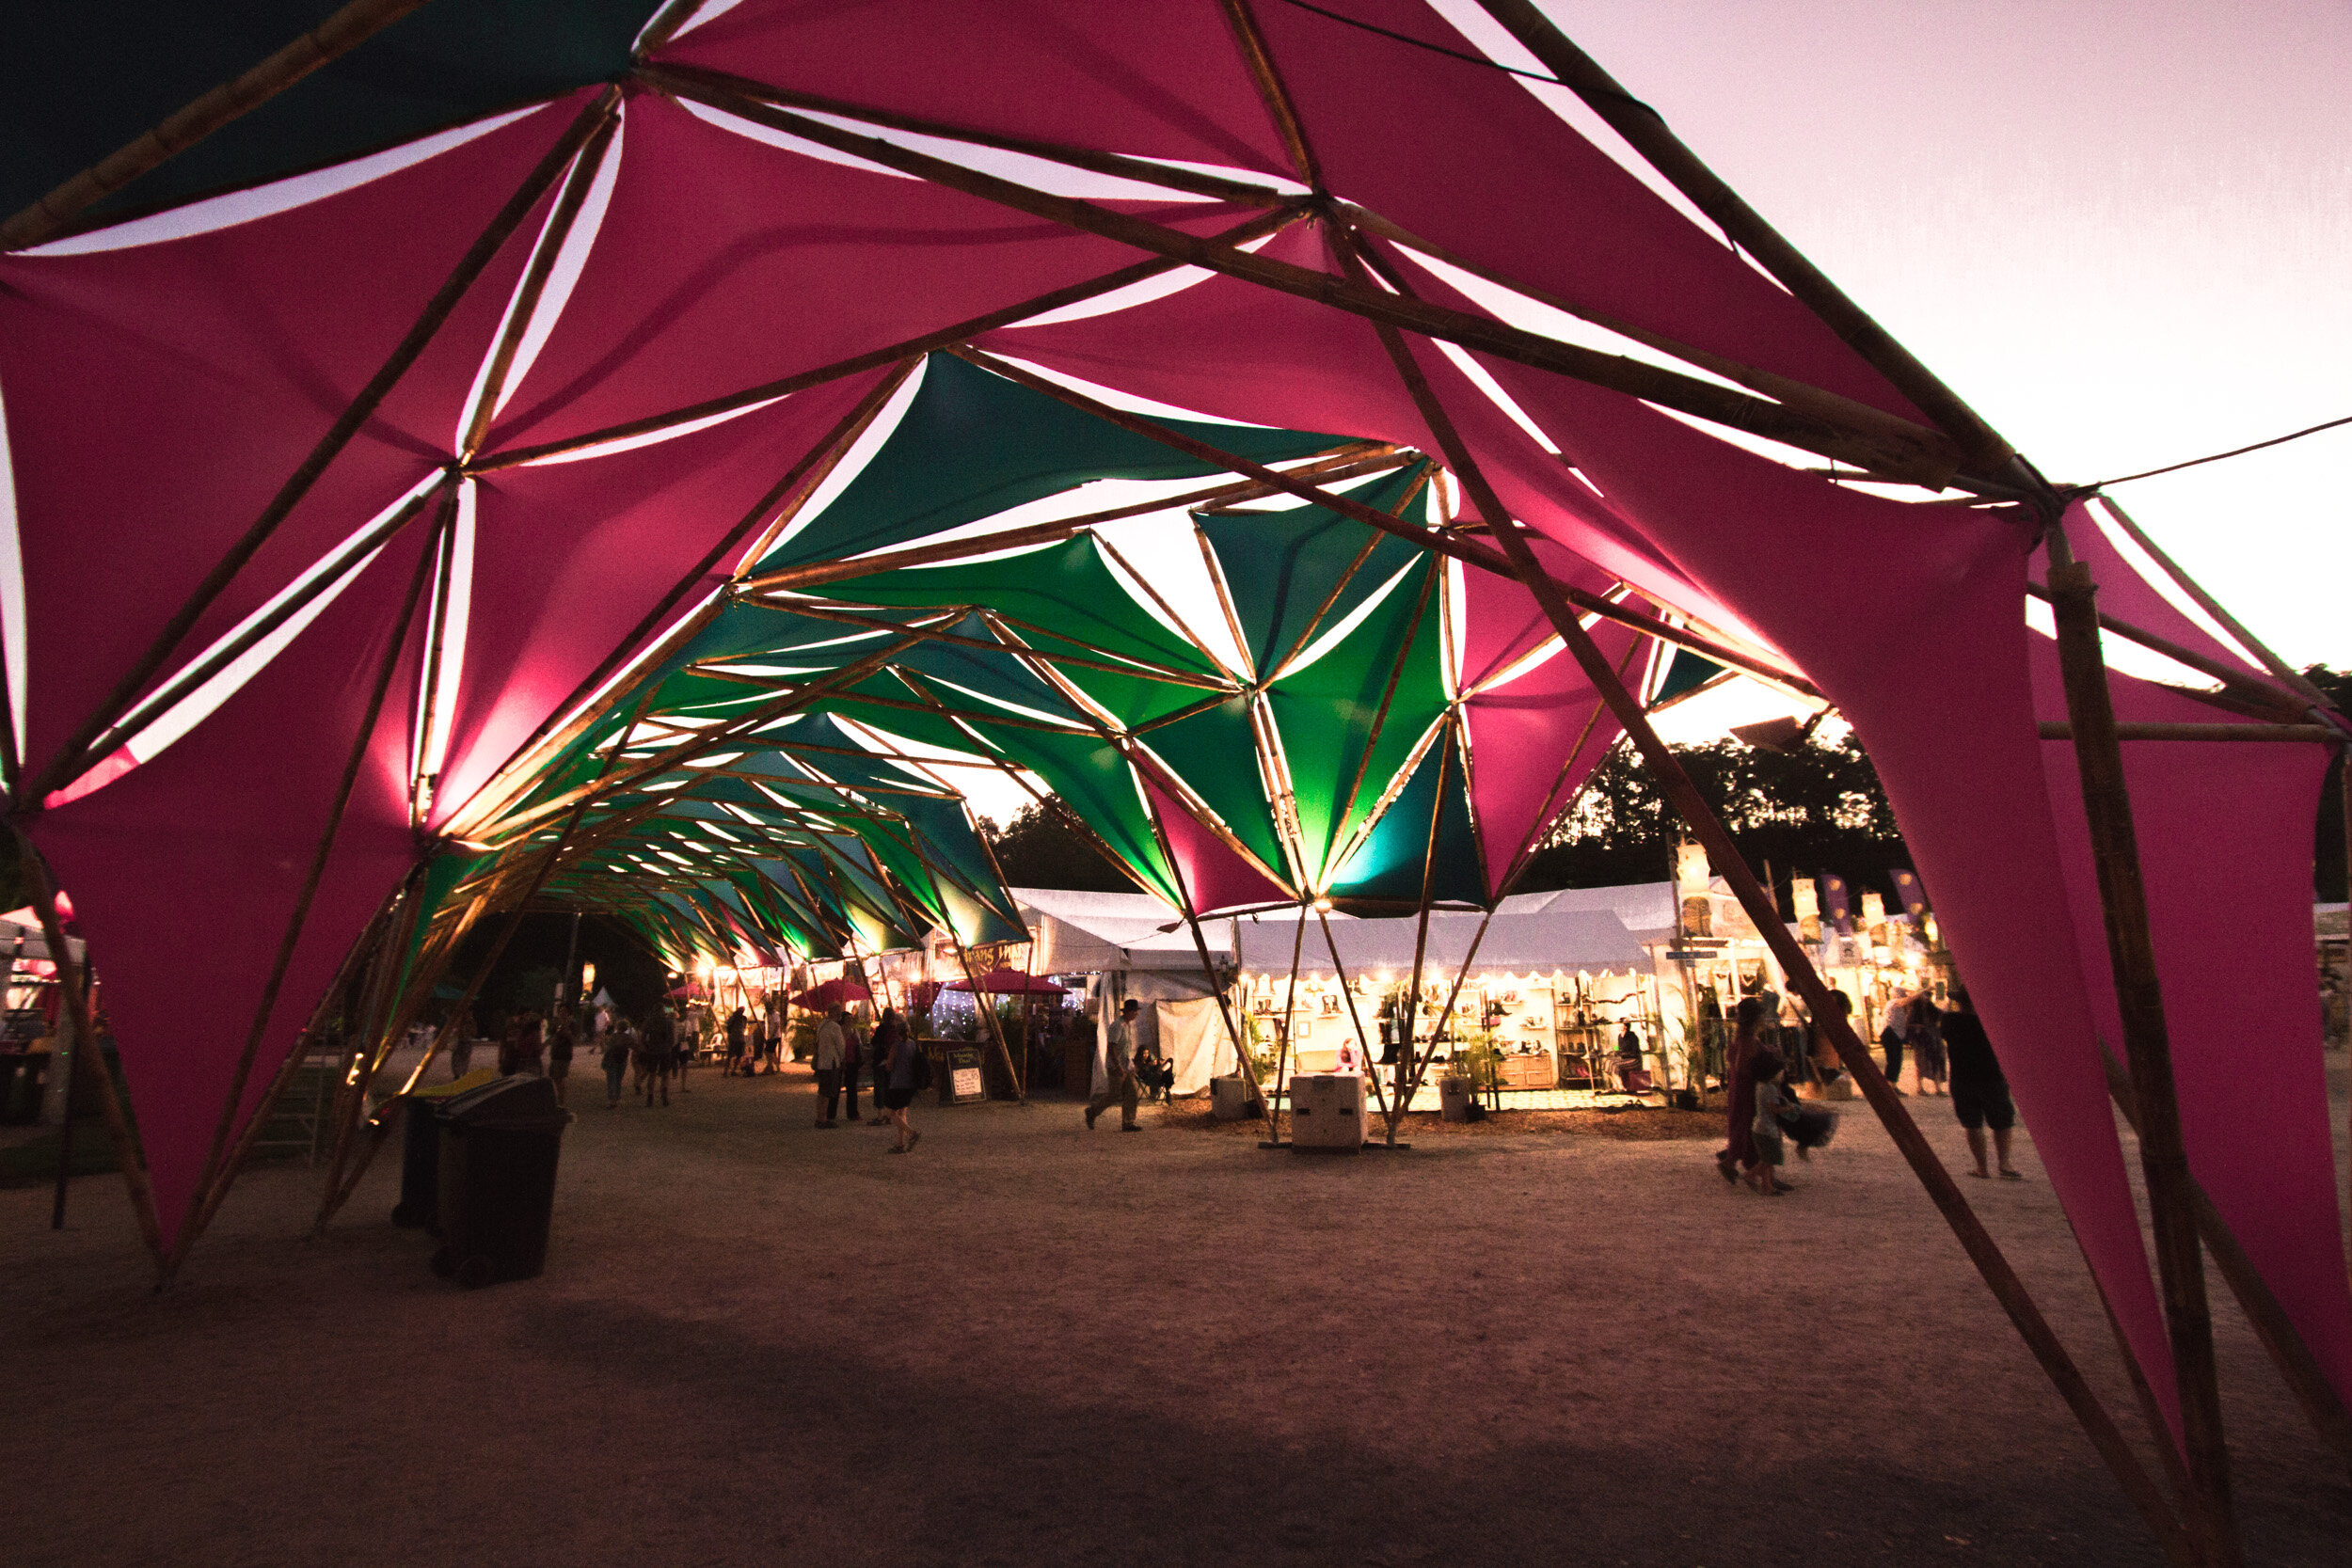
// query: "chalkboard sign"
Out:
[956,1071]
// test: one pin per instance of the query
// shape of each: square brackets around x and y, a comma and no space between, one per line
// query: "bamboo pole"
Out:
[1141,170]
[1913,451]
[1283,1053]
[243,638]
[665,25]
[363,952]
[1347,462]
[1276,97]
[1356,1021]
[2211,606]
[2288,1350]
[1453,994]
[1242,1064]
[396,645]
[338,34]
[1453,545]
[1071,294]
[377,1003]
[1646,131]
[2164,1157]
[2258,695]
[1975,1240]
[338,1189]
[88,1055]
[583,179]
[1780,388]
[65,1124]
[789,492]
[72,758]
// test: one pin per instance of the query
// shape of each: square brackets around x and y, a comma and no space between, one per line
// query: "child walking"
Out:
[1772,1100]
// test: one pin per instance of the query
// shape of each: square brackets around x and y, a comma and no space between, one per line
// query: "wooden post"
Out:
[338,34]
[1282,1051]
[1243,1065]
[2131,953]
[192,1225]
[2304,1377]
[65,1123]
[1684,797]
[87,1051]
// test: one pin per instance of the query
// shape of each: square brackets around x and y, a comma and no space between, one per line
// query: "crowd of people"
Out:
[646,1056]
[1766,1115]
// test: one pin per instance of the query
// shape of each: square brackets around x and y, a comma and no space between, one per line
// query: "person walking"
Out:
[900,1094]
[688,1035]
[1119,1054]
[1740,1151]
[883,1051]
[738,1031]
[1979,1090]
[461,1037]
[521,1050]
[853,1057]
[660,1050]
[1926,1039]
[1892,1035]
[618,1047]
[831,1051]
[562,1038]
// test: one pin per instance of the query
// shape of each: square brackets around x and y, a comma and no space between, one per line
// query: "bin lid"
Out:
[456,1086]
[523,1101]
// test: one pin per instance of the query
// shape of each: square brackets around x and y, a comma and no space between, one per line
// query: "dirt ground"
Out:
[760,1342]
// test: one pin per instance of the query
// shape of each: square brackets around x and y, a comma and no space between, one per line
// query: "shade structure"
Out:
[1158,434]
[1009,982]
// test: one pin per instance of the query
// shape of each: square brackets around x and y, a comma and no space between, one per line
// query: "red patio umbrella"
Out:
[833,994]
[1011,982]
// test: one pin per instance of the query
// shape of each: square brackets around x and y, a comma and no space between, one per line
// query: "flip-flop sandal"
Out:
[2013,1176]
[1978,1175]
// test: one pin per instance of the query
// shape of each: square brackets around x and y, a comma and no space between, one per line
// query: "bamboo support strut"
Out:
[1282,1050]
[526,301]
[2299,1368]
[1071,294]
[88,1055]
[2131,954]
[338,34]
[2247,690]
[1356,1021]
[788,493]
[378,931]
[1460,548]
[1687,802]
[1916,452]
[73,758]
[199,1198]
[1357,458]
[1141,170]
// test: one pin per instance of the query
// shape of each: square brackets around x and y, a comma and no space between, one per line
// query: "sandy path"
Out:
[760,1342]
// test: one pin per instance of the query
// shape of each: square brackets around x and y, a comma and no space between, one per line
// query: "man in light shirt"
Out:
[1119,1070]
[832,1046]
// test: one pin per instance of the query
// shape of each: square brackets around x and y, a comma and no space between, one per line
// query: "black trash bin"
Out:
[420,1150]
[498,1145]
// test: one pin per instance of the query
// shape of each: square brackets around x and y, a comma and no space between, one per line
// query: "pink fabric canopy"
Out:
[158,395]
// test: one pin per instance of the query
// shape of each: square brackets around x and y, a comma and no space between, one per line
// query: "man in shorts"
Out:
[1979,1093]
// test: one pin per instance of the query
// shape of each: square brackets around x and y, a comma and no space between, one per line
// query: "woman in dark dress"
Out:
[1740,1154]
